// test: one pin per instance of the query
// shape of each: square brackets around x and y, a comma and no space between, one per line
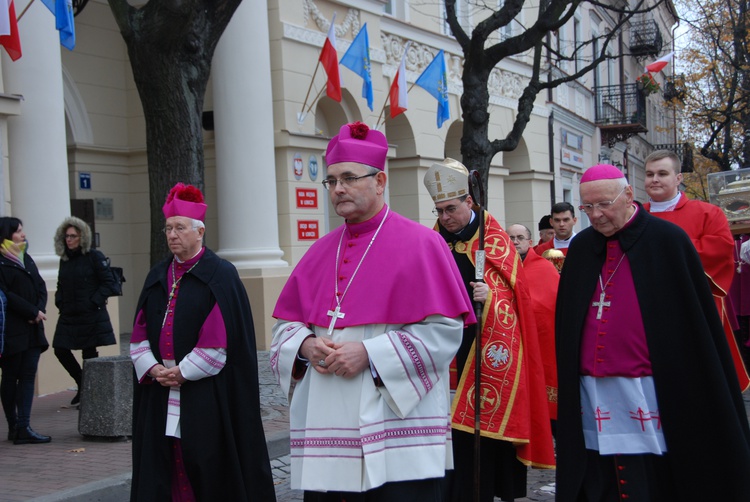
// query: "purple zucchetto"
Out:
[358,143]
[601,172]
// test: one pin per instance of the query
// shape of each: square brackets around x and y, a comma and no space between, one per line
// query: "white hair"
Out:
[622,182]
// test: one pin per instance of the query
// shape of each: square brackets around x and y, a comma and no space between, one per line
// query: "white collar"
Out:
[667,205]
[564,243]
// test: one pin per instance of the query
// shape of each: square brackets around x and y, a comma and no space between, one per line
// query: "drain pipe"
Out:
[551,147]
[550,125]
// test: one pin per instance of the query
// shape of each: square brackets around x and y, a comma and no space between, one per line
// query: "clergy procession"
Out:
[417,333]
[431,365]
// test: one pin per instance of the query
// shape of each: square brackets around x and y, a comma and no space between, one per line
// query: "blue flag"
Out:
[357,59]
[63,11]
[434,79]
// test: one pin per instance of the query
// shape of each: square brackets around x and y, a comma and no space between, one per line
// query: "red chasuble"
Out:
[543,279]
[512,390]
[708,228]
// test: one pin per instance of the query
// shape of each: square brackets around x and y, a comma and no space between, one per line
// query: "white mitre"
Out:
[447,180]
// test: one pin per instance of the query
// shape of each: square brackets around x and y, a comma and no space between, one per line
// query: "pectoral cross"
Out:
[169,300]
[166,314]
[334,314]
[601,304]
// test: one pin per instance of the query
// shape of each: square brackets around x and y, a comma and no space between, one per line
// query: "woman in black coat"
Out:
[83,284]
[24,331]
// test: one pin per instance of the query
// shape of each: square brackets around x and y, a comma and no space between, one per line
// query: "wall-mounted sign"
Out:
[571,151]
[312,167]
[571,158]
[307,198]
[297,166]
[307,230]
[104,209]
[84,181]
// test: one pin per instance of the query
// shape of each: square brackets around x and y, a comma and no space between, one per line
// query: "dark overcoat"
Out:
[83,284]
[700,404]
[223,443]
[27,295]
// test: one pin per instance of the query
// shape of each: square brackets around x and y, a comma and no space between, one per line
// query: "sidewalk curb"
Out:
[111,489]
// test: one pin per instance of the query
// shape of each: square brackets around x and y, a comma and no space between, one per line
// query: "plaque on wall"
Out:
[297,166]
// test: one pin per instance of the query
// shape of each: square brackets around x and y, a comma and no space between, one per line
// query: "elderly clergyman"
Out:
[197,430]
[367,326]
[649,404]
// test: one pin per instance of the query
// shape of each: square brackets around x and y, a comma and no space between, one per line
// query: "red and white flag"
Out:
[330,61]
[9,29]
[398,90]
[660,63]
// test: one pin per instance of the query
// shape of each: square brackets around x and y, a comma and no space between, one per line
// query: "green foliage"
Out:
[647,84]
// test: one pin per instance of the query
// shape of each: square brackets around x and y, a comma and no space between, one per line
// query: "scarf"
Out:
[13,251]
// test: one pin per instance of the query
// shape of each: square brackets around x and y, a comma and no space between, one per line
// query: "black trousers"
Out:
[501,473]
[17,386]
[635,478]
[420,490]
[70,363]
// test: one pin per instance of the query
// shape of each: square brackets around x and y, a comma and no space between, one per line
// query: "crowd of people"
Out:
[421,364]
[608,354]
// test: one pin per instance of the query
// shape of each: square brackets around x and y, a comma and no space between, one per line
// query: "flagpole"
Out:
[476,187]
[387,99]
[317,96]
[24,10]
[301,116]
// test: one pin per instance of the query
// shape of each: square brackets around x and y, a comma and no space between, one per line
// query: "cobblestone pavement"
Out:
[541,484]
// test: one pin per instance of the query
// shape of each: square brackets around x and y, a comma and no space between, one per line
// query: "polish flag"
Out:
[660,63]
[9,29]
[330,61]
[398,91]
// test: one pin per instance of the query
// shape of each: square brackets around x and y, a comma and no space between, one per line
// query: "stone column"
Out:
[37,151]
[243,121]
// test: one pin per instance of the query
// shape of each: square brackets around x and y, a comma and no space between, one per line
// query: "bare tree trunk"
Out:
[171,44]
[476,149]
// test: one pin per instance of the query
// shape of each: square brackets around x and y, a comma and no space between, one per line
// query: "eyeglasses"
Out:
[180,229]
[519,238]
[348,181]
[450,210]
[601,206]
[71,236]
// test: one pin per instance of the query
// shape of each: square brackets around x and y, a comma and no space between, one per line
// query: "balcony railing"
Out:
[620,112]
[684,151]
[645,38]
[674,88]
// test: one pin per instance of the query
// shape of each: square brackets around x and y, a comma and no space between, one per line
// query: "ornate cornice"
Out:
[505,87]
[351,22]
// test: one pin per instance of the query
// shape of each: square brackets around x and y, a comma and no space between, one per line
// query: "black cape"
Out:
[700,403]
[223,442]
